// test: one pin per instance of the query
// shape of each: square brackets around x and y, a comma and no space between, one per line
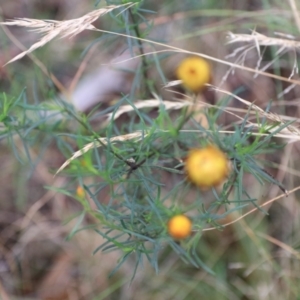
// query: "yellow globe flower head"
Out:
[179,227]
[207,167]
[80,192]
[194,72]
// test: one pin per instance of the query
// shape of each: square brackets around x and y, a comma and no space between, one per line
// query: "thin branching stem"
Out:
[145,66]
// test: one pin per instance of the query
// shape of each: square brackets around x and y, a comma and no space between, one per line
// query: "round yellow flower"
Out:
[194,72]
[80,192]
[179,227]
[206,167]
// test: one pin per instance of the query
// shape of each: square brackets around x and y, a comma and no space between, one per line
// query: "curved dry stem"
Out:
[253,210]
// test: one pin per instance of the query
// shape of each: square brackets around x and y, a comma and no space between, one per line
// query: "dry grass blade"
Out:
[255,40]
[147,104]
[293,131]
[262,40]
[173,83]
[51,28]
[278,135]
[280,244]
[295,12]
[253,210]
[103,141]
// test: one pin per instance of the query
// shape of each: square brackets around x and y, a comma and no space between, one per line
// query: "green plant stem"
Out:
[142,53]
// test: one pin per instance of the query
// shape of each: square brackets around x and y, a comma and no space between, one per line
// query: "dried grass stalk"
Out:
[137,136]
[290,129]
[262,40]
[51,28]
[147,104]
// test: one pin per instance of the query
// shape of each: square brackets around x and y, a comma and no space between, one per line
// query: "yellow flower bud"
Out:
[206,167]
[80,192]
[194,72]
[179,227]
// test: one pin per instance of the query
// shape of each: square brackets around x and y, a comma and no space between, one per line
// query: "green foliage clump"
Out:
[137,169]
